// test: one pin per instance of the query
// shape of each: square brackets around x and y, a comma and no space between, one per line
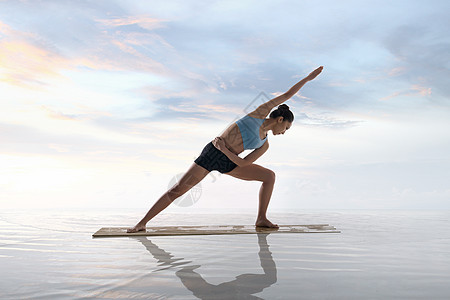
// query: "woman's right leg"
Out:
[267,177]
[194,175]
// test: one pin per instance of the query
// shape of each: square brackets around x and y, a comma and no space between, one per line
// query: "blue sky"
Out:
[103,102]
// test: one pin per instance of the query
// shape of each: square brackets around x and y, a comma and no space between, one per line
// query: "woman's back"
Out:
[252,131]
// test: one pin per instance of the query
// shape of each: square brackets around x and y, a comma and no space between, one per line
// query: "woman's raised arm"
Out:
[293,90]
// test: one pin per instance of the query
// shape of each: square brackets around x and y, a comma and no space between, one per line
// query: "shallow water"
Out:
[378,255]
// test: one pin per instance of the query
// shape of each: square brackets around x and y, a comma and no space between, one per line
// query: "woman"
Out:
[221,154]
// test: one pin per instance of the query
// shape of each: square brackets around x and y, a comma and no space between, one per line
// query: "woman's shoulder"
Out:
[257,115]
[261,112]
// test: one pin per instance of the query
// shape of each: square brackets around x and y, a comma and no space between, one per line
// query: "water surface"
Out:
[378,255]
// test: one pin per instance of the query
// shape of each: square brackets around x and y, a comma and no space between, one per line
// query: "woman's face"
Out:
[281,126]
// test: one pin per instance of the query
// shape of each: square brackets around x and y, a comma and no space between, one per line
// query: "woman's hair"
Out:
[282,111]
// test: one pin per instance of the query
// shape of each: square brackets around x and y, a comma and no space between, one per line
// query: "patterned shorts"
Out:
[212,159]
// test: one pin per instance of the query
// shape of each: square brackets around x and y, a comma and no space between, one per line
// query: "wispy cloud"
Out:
[397,71]
[29,59]
[325,121]
[414,91]
[145,22]
[57,114]
[23,61]
[424,52]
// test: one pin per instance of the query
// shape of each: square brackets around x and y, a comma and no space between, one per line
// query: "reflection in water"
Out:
[241,288]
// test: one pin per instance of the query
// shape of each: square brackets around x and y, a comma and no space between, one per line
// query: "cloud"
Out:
[23,61]
[142,21]
[30,59]
[397,71]
[424,51]
[58,115]
[414,91]
[175,108]
[325,121]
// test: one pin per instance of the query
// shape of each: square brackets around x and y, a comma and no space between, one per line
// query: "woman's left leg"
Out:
[194,175]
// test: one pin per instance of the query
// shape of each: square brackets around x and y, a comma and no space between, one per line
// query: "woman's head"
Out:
[283,111]
[283,118]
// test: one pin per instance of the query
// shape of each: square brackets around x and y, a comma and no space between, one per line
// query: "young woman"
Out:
[221,154]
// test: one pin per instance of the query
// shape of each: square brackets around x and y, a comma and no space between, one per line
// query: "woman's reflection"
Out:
[241,288]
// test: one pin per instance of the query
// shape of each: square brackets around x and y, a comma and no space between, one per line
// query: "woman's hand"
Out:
[314,73]
[219,143]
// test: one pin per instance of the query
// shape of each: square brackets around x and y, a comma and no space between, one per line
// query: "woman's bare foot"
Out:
[136,228]
[265,223]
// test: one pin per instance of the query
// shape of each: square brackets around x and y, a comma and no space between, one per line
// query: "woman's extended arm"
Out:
[294,89]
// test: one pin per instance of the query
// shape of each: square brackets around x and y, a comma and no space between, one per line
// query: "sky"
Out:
[104,103]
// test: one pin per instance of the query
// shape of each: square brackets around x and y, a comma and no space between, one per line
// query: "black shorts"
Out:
[212,159]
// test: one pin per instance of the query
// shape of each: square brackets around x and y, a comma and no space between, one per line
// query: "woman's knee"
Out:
[270,176]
